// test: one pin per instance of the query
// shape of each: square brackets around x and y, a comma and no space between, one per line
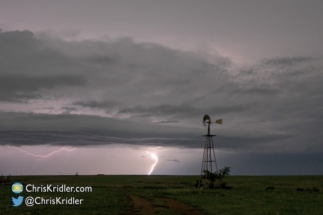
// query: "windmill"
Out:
[209,162]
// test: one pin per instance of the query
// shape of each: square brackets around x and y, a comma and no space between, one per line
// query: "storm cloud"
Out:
[119,91]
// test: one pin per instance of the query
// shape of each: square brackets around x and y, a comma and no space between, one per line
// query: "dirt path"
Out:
[180,207]
[145,207]
[142,205]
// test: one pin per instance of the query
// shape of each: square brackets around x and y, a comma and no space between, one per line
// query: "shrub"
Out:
[270,188]
[217,176]
[299,189]
[315,189]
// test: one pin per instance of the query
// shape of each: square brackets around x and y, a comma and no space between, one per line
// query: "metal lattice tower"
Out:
[209,165]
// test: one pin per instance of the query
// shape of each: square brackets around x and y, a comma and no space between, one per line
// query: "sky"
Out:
[121,87]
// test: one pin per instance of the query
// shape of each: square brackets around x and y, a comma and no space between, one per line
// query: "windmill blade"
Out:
[219,121]
[206,119]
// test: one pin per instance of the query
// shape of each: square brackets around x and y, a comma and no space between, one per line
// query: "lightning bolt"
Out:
[46,156]
[153,156]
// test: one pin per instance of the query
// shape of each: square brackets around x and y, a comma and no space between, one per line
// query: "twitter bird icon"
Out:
[17,201]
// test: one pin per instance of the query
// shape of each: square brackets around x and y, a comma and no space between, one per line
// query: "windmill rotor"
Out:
[206,119]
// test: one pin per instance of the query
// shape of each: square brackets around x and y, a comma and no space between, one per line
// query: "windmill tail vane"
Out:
[219,121]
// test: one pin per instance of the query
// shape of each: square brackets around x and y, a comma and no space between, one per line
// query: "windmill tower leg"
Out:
[205,165]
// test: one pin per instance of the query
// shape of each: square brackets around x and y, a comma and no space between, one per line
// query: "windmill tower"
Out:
[209,165]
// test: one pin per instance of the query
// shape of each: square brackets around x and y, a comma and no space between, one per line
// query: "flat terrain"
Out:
[173,195]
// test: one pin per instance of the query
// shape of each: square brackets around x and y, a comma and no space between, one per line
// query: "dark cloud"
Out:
[71,138]
[23,54]
[80,130]
[102,59]
[68,110]
[17,87]
[27,67]
[287,61]
[16,40]
[160,110]
[97,104]
[174,111]
[179,111]
[262,91]
[148,94]
[166,121]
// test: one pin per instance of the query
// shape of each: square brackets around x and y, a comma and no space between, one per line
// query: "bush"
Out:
[299,189]
[217,176]
[270,188]
[315,189]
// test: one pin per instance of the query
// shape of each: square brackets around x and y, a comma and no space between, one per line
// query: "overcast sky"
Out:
[115,81]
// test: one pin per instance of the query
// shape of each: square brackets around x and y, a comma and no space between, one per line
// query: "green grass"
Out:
[248,196]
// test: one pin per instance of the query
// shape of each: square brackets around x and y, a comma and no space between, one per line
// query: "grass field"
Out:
[173,195]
